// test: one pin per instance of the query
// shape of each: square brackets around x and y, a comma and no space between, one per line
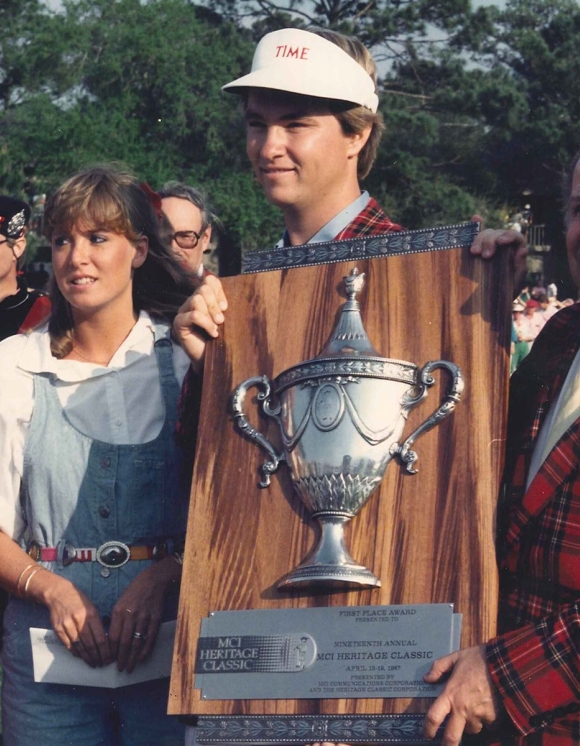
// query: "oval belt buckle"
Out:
[113,554]
[69,554]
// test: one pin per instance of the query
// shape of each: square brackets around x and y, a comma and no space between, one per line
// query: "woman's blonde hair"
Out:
[356,119]
[107,197]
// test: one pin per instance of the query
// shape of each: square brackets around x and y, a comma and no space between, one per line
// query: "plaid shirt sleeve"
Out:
[536,670]
[535,661]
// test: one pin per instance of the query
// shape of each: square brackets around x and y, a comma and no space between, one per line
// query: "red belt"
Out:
[109,554]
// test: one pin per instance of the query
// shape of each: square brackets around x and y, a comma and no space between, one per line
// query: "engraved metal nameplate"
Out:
[324,653]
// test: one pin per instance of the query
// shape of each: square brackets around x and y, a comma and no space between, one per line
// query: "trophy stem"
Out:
[330,560]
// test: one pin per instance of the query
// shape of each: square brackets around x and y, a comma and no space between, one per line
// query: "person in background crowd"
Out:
[538,290]
[523,687]
[535,319]
[546,309]
[191,220]
[522,333]
[92,506]
[513,340]
[20,309]
[524,295]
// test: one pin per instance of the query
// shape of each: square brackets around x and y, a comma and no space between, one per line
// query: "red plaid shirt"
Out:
[371,221]
[535,661]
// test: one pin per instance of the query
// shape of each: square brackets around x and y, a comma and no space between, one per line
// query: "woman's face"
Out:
[93,268]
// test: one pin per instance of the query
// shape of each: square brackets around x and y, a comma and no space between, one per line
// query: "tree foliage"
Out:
[388,26]
[140,84]
[479,105]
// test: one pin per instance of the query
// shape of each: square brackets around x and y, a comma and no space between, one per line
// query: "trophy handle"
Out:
[453,395]
[237,406]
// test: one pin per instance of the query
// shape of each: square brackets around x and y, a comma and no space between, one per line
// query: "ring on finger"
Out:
[139,636]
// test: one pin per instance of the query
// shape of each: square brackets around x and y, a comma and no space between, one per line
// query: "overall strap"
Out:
[163,347]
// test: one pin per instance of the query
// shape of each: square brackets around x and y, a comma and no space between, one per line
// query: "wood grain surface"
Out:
[429,537]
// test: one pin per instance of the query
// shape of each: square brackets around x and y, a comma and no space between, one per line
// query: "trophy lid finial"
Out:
[354,283]
[349,336]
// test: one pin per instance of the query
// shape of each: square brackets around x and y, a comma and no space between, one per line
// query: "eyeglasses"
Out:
[186,239]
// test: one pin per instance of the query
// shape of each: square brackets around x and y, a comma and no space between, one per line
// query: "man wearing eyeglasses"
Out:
[190,218]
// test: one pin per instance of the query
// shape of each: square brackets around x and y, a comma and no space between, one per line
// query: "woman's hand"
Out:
[137,614]
[74,618]
[199,317]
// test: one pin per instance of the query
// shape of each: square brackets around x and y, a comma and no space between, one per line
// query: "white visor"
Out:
[301,62]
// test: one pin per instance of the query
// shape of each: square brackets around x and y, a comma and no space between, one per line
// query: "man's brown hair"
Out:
[356,119]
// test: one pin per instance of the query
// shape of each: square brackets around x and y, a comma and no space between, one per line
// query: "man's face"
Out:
[184,216]
[573,228]
[9,256]
[298,150]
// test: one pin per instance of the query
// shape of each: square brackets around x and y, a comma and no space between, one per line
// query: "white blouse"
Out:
[121,403]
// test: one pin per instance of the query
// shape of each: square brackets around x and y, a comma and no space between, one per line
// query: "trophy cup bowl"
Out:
[341,416]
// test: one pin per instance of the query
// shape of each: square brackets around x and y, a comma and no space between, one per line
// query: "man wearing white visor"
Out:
[313,129]
[312,132]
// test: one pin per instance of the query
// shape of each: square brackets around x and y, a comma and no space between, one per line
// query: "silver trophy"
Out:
[341,416]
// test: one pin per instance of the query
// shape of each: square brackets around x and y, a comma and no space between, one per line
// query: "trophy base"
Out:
[337,575]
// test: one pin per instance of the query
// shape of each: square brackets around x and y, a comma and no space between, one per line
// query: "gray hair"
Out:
[191,194]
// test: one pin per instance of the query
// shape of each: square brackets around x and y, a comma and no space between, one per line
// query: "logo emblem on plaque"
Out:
[341,417]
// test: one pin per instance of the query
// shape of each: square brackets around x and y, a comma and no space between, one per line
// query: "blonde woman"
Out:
[92,504]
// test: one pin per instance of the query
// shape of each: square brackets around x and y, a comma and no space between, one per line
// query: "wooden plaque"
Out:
[428,536]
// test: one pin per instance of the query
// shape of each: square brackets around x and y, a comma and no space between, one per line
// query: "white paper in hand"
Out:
[54,664]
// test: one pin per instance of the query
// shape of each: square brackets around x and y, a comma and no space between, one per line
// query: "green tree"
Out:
[386,25]
[521,92]
[478,105]
[143,88]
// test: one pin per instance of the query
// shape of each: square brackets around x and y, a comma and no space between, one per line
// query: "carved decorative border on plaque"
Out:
[419,241]
[300,729]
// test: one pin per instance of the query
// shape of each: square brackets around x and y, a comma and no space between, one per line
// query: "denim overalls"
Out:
[87,492]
